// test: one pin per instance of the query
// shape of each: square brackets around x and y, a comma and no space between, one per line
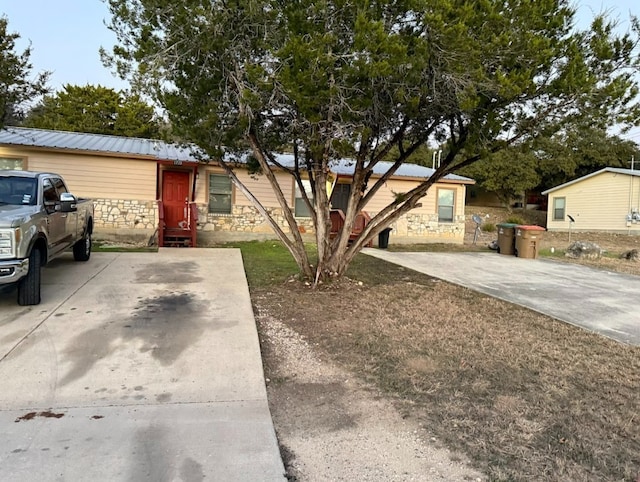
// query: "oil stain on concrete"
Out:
[167,324]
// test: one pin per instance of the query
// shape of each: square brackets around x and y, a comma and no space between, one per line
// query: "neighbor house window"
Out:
[10,163]
[559,204]
[446,205]
[301,208]
[220,193]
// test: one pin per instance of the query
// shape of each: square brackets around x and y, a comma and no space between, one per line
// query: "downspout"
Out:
[157,181]
[631,193]
[333,185]
[195,177]
[193,210]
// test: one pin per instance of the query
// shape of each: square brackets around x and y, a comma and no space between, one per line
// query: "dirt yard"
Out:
[390,375]
[613,244]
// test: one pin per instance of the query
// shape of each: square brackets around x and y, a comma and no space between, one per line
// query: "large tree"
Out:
[326,79]
[95,109]
[17,87]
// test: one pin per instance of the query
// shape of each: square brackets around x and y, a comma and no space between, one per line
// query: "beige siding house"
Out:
[141,187]
[606,200]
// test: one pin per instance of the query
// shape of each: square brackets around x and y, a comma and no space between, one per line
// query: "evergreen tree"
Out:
[16,87]
[97,110]
[332,78]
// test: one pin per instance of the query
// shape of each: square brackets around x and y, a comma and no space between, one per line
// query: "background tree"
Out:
[579,151]
[547,162]
[97,110]
[335,79]
[16,86]
[508,173]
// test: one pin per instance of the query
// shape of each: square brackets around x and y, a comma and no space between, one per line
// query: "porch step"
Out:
[176,238]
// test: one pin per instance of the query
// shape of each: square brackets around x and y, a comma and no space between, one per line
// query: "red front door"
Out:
[175,198]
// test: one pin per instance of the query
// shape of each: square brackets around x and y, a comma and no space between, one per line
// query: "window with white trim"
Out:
[559,205]
[446,205]
[220,194]
[300,207]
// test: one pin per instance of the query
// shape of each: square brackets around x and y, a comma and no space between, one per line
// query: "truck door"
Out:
[71,219]
[56,220]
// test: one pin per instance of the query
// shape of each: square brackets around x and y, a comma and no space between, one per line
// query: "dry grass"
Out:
[524,396]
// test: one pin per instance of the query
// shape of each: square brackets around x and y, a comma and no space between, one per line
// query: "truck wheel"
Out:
[29,286]
[82,248]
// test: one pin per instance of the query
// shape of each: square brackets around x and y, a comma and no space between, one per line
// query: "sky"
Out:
[66,36]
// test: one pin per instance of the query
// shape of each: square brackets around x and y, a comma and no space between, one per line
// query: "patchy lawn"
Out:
[525,397]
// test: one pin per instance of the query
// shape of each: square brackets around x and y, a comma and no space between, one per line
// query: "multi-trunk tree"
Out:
[17,87]
[332,79]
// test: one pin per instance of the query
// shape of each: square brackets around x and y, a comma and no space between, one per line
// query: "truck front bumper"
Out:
[13,270]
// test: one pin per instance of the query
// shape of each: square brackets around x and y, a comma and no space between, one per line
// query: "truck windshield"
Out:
[17,191]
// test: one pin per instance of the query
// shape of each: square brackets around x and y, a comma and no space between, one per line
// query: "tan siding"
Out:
[97,176]
[259,187]
[598,203]
[386,195]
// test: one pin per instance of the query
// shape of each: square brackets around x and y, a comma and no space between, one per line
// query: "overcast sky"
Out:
[66,35]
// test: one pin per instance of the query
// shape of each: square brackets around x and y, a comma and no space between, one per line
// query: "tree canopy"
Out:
[334,78]
[547,161]
[16,85]
[97,110]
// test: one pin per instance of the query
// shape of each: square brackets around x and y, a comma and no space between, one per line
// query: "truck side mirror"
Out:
[68,203]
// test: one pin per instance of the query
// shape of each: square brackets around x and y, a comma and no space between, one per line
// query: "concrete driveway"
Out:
[136,366]
[599,301]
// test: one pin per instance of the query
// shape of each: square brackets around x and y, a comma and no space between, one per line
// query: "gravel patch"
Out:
[333,427]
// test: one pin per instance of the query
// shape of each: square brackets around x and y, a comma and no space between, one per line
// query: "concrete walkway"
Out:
[597,300]
[135,367]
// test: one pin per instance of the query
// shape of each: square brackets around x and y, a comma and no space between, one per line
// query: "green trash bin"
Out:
[507,238]
[383,238]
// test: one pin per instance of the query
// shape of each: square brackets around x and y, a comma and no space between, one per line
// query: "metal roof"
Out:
[160,150]
[80,141]
[345,167]
[615,170]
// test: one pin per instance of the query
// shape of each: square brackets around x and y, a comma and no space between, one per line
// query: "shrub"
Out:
[489,227]
[515,220]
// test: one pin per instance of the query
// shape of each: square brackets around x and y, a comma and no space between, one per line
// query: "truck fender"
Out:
[40,242]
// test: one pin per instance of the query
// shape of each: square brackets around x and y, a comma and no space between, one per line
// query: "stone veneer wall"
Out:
[246,219]
[427,226]
[128,217]
[125,214]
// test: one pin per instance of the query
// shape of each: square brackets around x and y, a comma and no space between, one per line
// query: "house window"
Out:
[10,163]
[559,204]
[300,208]
[220,192]
[446,205]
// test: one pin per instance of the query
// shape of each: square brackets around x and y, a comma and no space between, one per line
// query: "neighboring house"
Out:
[139,185]
[606,200]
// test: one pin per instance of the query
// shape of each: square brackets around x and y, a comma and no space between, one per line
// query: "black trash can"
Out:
[383,238]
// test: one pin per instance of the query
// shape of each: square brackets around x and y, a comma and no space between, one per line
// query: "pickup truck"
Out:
[39,220]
